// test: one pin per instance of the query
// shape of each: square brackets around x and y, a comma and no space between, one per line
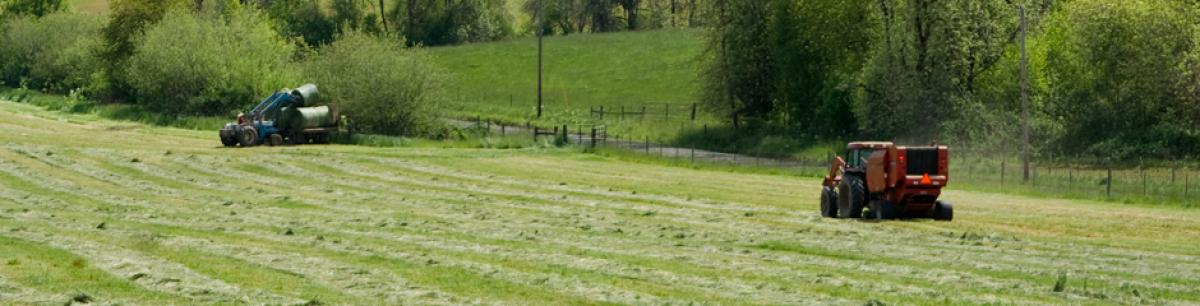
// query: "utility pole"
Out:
[1024,100]
[540,28]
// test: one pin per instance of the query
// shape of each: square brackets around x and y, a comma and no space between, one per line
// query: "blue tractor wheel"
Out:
[248,137]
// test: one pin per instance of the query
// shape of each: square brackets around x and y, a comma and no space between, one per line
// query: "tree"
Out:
[1121,77]
[789,62]
[37,8]
[442,22]
[573,16]
[740,72]
[382,85]
[127,21]
[926,70]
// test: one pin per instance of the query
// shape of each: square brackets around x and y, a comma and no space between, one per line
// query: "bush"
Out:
[383,87]
[1116,71]
[54,53]
[208,63]
[36,8]
[302,19]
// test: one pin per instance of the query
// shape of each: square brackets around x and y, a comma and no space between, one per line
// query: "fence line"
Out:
[1172,184]
[660,110]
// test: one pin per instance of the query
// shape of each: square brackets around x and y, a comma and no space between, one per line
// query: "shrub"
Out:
[37,8]
[303,19]
[207,63]
[127,21]
[54,53]
[383,87]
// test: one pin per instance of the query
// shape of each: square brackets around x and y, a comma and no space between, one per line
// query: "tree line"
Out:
[1107,79]
[216,58]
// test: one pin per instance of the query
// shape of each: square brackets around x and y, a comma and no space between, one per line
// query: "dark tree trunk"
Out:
[383,16]
[412,22]
[631,12]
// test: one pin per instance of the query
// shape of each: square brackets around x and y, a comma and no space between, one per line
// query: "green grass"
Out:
[653,69]
[100,7]
[114,111]
[430,222]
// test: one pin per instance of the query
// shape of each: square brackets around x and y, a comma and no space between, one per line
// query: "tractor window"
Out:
[858,158]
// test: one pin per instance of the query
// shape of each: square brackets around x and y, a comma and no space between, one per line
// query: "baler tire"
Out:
[829,202]
[943,211]
[276,140]
[852,196]
[248,137]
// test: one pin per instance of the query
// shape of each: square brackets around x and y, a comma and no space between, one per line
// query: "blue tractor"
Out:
[283,118]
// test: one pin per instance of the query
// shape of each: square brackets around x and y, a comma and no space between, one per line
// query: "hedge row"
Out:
[219,61]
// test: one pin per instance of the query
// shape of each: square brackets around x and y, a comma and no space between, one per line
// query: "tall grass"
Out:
[126,112]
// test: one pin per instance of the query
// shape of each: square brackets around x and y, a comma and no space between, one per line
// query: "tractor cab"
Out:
[859,153]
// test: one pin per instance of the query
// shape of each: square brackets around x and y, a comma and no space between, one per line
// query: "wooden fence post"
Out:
[1173,172]
[593,137]
[643,113]
[970,171]
[667,111]
[1144,181]
[602,112]
[1003,160]
[693,111]
[735,153]
[622,112]
[1108,189]
[1070,178]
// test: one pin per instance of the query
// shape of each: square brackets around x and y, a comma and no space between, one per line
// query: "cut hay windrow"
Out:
[165,215]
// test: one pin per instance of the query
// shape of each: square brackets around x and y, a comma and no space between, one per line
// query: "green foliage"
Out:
[1119,77]
[208,63]
[786,61]
[37,8]
[579,16]
[54,52]
[382,86]
[741,74]
[303,19]
[447,22]
[927,68]
[126,23]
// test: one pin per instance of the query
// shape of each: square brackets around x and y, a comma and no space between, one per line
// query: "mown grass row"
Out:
[425,224]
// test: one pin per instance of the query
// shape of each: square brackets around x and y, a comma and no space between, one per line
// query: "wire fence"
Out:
[1159,184]
[1172,183]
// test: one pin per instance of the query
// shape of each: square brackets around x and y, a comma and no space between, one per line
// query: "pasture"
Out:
[108,212]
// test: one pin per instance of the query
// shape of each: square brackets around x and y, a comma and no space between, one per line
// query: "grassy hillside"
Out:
[635,69]
[90,6]
[116,212]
